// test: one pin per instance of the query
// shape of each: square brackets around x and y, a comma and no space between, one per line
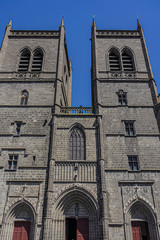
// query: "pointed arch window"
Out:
[77,144]
[114,61]
[24,97]
[127,61]
[37,61]
[24,61]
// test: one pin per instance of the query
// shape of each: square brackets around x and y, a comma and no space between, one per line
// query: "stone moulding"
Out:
[120,33]
[74,186]
[135,198]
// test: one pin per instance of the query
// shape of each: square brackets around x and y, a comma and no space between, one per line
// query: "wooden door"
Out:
[21,230]
[136,231]
[140,230]
[83,229]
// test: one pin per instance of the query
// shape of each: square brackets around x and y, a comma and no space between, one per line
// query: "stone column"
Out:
[103,189]
[47,228]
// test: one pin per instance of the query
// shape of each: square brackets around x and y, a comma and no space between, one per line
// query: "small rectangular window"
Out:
[18,128]
[129,128]
[12,162]
[133,163]
[122,97]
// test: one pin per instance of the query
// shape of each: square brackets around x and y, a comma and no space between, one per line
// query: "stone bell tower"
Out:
[124,94]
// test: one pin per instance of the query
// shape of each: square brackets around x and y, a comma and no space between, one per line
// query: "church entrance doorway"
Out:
[77,229]
[140,230]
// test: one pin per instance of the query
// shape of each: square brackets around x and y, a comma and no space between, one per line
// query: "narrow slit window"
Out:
[24,97]
[114,62]
[24,61]
[37,61]
[18,128]
[127,62]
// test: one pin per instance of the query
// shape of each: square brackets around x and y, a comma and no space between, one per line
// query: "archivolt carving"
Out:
[75,200]
[134,199]
[19,200]
[74,186]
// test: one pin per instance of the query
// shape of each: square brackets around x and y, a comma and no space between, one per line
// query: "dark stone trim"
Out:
[26,106]
[31,167]
[123,182]
[26,180]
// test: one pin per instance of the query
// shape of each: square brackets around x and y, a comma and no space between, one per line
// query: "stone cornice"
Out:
[117,33]
[34,33]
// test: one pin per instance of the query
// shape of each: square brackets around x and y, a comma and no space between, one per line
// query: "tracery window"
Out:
[24,97]
[77,144]
[37,61]
[24,61]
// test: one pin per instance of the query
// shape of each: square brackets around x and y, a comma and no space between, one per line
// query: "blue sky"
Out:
[115,14]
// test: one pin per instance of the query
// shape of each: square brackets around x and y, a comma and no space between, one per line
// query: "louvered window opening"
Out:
[37,62]
[127,62]
[114,62]
[24,62]
[77,145]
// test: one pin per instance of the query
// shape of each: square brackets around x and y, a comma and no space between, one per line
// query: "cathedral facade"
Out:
[78,173]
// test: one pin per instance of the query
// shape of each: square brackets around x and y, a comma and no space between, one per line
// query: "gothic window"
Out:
[114,62]
[12,162]
[24,61]
[77,144]
[37,61]
[122,97]
[127,61]
[24,97]
[129,128]
[133,163]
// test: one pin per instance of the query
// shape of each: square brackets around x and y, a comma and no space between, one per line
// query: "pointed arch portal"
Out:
[19,222]
[141,222]
[75,216]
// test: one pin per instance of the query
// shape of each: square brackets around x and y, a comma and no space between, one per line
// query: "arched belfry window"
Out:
[77,144]
[37,61]
[114,61]
[24,61]
[24,97]
[127,61]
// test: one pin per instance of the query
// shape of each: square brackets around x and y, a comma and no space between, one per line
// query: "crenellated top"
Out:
[33,33]
[117,33]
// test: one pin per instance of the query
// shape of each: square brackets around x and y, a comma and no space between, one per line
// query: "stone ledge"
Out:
[136,182]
